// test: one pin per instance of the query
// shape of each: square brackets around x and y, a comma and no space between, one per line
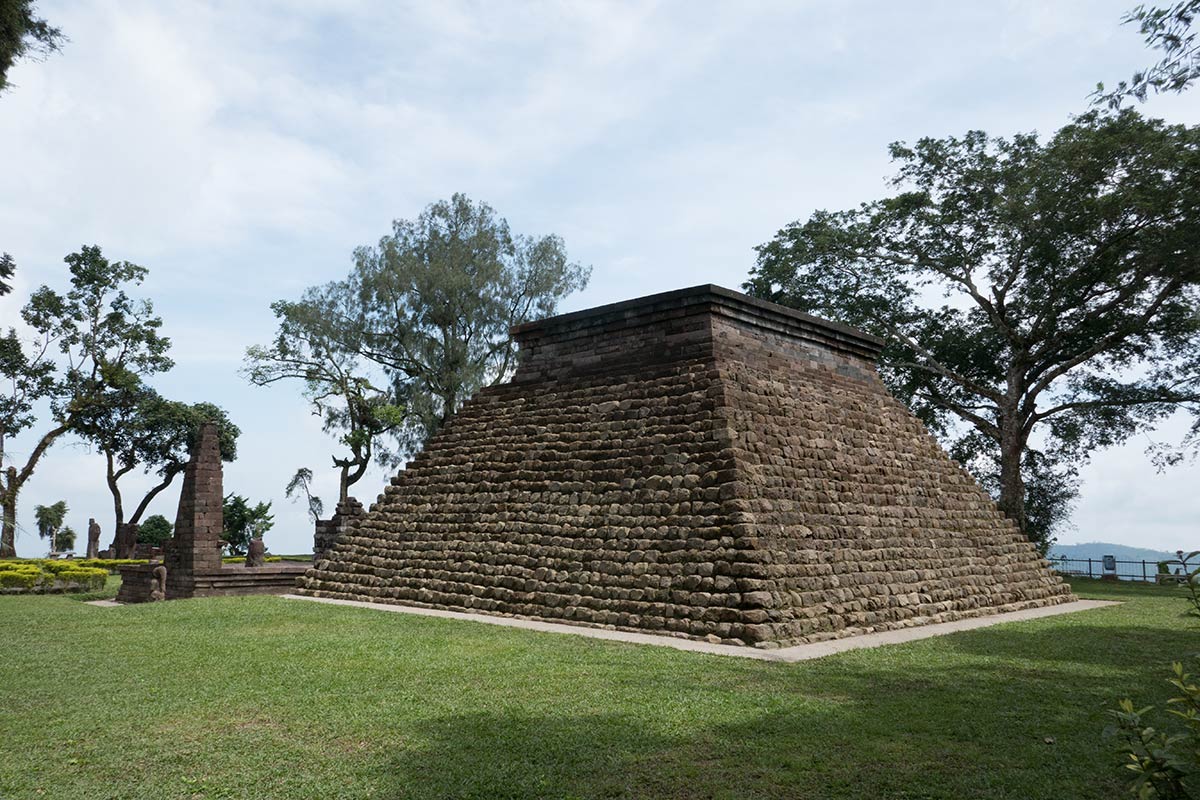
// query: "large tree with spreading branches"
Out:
[438,297]
[317,344]
[1039,299]
[421,323]
[83,343]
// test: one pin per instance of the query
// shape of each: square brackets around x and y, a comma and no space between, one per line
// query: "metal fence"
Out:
[1125,570]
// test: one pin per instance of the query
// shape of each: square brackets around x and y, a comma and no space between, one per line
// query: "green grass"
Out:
[268,698]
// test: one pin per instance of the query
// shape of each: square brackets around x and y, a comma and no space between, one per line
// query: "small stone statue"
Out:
[93,543]
[158,584]
[256,553]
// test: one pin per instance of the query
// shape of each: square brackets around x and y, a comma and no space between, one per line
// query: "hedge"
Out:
[41,575]
[59,564]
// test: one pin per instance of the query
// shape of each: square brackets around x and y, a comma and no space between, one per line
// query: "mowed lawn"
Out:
[271,698]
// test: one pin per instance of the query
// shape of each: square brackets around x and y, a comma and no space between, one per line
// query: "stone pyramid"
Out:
[698,463]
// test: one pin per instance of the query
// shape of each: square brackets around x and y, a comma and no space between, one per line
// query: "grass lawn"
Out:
[269,698]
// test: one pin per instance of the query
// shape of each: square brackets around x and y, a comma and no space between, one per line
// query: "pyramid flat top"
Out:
[706,298]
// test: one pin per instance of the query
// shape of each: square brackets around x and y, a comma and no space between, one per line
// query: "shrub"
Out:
[88,578]
[1165,764]
[39,574]
[1192,581]
[19,579]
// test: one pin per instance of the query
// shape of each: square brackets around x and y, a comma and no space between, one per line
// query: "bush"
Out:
[20,577]
[1165,764]
[88,578]
[39,574]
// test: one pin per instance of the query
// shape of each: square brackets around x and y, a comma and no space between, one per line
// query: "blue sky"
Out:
[241,151]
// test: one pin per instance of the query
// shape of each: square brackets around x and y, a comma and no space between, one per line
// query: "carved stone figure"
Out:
[93,543]
[158,584]
[256,553]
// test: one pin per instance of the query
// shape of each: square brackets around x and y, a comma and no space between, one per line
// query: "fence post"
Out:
[1089,567]
[1144,578]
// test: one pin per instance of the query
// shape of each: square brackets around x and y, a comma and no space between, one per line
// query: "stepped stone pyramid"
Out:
[698,463]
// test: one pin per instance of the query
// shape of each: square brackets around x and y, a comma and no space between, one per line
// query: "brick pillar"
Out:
[197,542]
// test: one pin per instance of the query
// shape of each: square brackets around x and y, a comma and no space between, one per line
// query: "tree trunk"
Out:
[8,507]
[13,481]
[1012,483]
[118,508]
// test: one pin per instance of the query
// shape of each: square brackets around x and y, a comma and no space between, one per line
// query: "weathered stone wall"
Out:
[327,531]
[697,463]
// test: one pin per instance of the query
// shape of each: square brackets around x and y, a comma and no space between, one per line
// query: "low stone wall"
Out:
[136,582]
[232,579]
[277,578]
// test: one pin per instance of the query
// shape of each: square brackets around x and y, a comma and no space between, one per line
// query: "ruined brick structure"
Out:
[328,531]
[124,543]
[192,556]
[699,463]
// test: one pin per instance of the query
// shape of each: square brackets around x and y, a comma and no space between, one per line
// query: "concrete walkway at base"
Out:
[800,652]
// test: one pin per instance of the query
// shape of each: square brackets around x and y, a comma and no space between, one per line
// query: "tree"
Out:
[300,483]
[134,426]
[154,531]
[244,522]
[1169,30]
[438,298]
[24,35]
[65,540]
[49,520]
[101,337]
[1068,275]
[317,343]
[7,268]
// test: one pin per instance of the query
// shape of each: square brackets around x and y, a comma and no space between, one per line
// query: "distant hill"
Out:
[1098,550]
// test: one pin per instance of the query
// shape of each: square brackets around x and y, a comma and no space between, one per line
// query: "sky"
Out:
[241,151]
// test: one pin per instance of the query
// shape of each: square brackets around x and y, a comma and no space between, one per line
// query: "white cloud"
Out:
[240,151]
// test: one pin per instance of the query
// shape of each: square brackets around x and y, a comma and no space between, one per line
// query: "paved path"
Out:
[801,652]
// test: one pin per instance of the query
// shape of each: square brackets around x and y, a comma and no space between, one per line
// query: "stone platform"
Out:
[232,579]
[800,652]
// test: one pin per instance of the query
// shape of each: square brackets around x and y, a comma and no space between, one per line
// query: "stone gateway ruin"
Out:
[192,566]
[698,463]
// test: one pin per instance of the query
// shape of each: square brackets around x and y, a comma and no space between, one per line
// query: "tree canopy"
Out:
[420,324]
[8,268]
[23,34]
[1170,30]
[1039,300]
[244,522]
[438,297]
[301,483]
[49,520]
[86,342]
[134,426]
[317,344]
[155,530]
